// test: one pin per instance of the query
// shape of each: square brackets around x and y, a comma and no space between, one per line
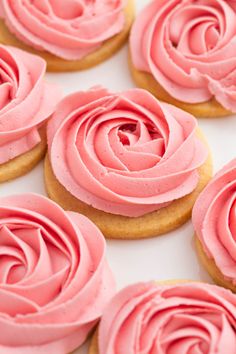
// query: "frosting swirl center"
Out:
[189,48]
[54,278]
[202,30]
[134,155]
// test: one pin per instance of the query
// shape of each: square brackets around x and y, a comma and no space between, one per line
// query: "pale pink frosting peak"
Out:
[214,220]
[26,101]
[54,278]
[191,318]
[189,47]
[70,29]
[124,153]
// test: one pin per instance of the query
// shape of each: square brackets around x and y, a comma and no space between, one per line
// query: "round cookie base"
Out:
[56,64]
[122,227]
[209,109]
[211,267]
[22,164]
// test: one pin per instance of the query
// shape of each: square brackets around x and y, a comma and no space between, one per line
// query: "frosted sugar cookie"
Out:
[70,35]
[183,52]
[26,103]
[214,220]
[133,165]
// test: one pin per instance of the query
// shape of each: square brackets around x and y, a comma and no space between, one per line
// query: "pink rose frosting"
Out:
[189,47]
[124,153]
[54,279]
[214,220]
[69,29]
[26,101]
[189,318]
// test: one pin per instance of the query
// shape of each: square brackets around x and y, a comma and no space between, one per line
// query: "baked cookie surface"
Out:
[24,163]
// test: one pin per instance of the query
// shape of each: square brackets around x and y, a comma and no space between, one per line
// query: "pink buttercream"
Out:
[124,153]
[69,29]
[189,318]
[214,220]
[26,101]
[189,47]
[54,279]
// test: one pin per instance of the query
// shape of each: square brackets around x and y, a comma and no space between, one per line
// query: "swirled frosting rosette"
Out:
[54,279]
[68,29]
[214,221]
[187,318]
[124,153]
[189,48]
[26,101]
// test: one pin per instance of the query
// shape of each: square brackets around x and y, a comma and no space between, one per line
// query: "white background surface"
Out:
[170,256]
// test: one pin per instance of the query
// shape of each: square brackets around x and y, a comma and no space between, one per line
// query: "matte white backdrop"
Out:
[170,256]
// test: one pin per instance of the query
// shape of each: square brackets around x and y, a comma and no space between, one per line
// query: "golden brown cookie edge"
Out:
[121,227]
[209,109]
[211,267]
[56,64]
[93,347]
[24,163]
